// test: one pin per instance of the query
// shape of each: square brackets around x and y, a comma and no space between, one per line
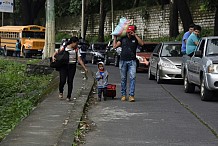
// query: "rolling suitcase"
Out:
[111,91]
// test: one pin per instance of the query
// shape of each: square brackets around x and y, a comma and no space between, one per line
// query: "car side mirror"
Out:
[198,53]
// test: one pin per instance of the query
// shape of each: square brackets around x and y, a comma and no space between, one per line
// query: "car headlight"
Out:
[213,68]
[29,46]
[168,65]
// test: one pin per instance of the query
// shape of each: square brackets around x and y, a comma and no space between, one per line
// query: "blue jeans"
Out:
[127,67]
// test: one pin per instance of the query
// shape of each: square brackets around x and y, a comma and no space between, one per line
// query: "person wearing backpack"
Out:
[17,48]
[67,71]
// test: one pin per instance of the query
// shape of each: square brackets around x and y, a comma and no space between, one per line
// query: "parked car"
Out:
[96,52]
[143,54]
[112,55]
[165,62]
[202,68]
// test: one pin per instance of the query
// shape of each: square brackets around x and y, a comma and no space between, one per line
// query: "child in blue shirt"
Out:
[102,80]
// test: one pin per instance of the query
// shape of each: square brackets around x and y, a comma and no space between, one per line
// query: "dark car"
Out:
[112,55]
[143,54]
[96,52]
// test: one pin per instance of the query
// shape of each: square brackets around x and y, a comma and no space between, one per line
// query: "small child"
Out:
[102,80]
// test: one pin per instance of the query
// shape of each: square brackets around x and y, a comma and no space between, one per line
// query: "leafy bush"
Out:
[207,32]
[19,94]
[60,35]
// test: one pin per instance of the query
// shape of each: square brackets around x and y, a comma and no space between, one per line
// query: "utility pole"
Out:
[82,19]
[112,17]
[50,30]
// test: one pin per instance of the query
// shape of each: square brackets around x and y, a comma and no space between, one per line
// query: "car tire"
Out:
[205,94]
[150,76]
[137,65]
[116,61]
[188,87]
[158,79]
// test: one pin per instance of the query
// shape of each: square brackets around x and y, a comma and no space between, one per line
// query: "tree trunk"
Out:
[136,3]
[185,13]
[101,22]
[216,22]
[30,10]
[173,19]
[87,2]
[26,13]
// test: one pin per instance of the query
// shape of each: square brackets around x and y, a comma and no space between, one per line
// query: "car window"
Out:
[157,48]
[148,48]
[99,46]
[212,47]
[171,50]
[201,45]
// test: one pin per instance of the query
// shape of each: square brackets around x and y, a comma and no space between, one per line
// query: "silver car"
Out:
[165,62]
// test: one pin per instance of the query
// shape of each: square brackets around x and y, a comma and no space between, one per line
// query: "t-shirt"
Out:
[190,45]
[17,46]
[185,37]
[129,46]
[72,55]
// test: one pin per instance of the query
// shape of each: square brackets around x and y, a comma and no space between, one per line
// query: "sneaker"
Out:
[60,96]
[99,99]
[131,98]
[68,99]
[123,98]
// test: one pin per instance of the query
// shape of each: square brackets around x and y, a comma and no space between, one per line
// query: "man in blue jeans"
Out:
[127,62]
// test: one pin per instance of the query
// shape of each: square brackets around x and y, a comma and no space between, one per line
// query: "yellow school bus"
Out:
[32,38]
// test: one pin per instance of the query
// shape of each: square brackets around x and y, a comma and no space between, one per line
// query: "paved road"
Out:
[163,115]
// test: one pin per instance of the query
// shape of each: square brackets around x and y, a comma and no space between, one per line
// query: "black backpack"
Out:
[61,59]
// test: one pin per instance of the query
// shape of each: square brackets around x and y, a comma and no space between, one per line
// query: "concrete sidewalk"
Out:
[54,121]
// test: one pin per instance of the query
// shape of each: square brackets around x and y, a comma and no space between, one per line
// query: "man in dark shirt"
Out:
[127,62]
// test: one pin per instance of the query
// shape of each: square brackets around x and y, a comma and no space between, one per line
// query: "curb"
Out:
[68,135]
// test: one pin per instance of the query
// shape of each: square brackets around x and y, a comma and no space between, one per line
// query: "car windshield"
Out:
[147,48]
[212,47]
[171,50]
[99,46]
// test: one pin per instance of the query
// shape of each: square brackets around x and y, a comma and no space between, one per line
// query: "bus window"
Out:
[40,35]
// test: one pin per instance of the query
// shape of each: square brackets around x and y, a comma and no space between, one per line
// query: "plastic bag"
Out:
[121,28]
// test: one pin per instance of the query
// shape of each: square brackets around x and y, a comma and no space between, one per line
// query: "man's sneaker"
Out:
[131,98]
[68,99]
[123,98]
[60,96]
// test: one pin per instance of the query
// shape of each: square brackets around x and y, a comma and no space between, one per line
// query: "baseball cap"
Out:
[130,28]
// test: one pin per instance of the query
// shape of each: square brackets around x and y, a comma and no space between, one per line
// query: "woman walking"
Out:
[67,71]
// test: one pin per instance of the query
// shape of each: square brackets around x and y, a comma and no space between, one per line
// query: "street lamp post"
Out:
[112,17]
[82,20]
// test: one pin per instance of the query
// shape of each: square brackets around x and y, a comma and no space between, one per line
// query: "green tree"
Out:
[30,10]
[184,13]
[212,5]
[174,30]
